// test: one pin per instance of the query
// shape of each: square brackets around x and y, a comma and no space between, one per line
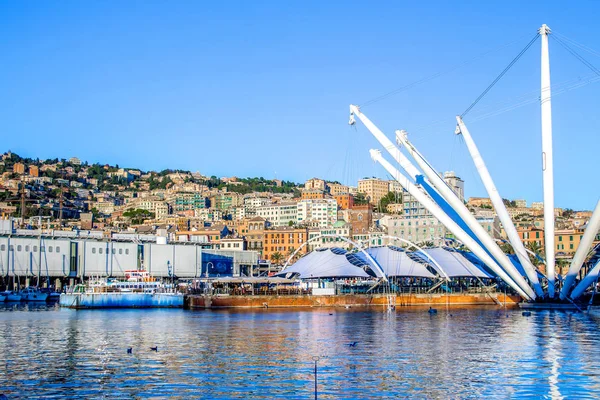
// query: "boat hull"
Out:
[35,298]
[12,297]
[121,300]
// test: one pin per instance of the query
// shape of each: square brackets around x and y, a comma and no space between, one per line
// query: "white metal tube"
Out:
[458,205]
[386,143]
[498,203]
[584,246]
[547,161]
[438,213]
[590,278]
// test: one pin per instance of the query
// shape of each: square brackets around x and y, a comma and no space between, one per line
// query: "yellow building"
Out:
[374,189]
[567,242]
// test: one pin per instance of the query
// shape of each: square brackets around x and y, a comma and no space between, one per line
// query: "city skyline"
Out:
[212,96]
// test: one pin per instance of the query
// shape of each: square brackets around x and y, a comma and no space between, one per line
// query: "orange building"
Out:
[344,201]
[284,240]
[312,194]
[567,242]
[530,235]
[19,168]
[34,171]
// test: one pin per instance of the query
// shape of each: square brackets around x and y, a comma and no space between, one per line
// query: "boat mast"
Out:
[547,161]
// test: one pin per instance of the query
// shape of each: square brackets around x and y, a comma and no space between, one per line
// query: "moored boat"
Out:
[139,291]
[33,294]
[10,296]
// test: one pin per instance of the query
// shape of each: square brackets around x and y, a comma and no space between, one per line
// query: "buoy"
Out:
[129,350]
[432,311]
[154,348]
[330,313]
[527,313]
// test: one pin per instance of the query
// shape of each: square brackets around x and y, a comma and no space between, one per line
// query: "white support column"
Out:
[438,213]
[458,205]
[590,278]
[547,162]
[503,216]
[385,142]
[584,247]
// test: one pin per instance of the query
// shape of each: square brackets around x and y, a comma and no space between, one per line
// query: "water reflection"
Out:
[470,352]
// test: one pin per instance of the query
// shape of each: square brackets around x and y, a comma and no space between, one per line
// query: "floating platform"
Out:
[548,306]
[121,300]
[345,300]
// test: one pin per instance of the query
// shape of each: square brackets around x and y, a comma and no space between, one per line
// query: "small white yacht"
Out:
[33,294]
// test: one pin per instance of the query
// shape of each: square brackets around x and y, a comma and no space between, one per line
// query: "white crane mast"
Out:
[458,205]
[584,247]
[547,161]
[498,203]
[590,278]
[413,173]
[385,142]
[438,213]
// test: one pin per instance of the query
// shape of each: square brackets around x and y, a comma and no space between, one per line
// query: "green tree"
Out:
[360,199]
[390,198]
[138,216]
[276,257]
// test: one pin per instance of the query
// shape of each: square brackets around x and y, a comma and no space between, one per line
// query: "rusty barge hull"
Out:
[356,300]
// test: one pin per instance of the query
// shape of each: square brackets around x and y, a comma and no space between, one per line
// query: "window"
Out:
[570,238]
[3,247]
[93,250]
[100,250]
[50,249]
[114,250]
[57,249]
[571,246]
[26,248]
[120,251]
[19,248]
[126,251]
[560,238]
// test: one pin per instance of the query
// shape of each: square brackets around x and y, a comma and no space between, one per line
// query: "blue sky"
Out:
[262,88]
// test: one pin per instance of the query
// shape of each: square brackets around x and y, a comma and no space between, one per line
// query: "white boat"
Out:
[140,290]
[11,296]
[33,294]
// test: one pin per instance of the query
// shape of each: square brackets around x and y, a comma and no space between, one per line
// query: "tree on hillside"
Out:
[360,199]
[390,198]
[138,216]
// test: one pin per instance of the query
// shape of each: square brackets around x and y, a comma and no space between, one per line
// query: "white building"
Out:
[251,204]
[279,214]
[324,211]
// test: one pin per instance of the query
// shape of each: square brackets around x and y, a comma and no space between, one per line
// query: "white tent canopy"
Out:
[453,263]
[395,262]
[325,263]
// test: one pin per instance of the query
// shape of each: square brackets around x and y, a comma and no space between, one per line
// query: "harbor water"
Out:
[477,352]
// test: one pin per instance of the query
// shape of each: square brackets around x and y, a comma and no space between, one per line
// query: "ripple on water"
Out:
[475,353]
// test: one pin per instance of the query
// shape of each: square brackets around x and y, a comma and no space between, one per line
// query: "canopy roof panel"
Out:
[395,262]
[453,263]
[325,263]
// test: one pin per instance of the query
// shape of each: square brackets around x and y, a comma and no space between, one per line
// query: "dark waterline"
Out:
[484,352]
